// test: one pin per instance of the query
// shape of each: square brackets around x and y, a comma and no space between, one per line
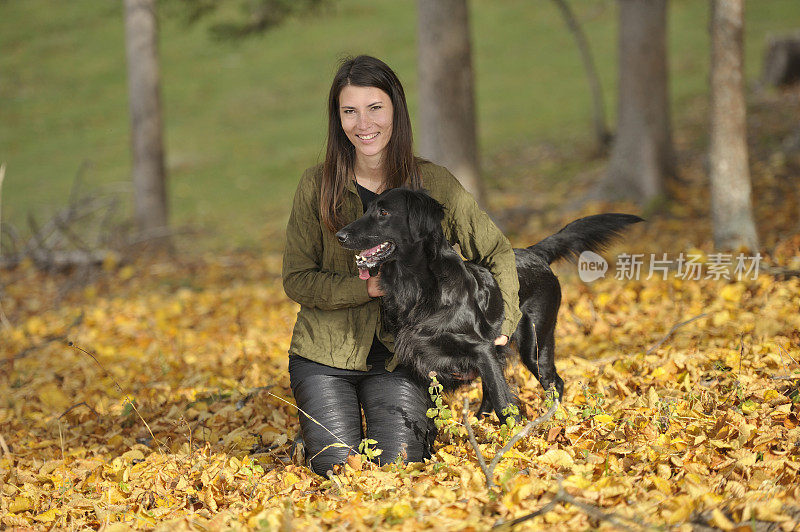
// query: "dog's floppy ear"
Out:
[425,214]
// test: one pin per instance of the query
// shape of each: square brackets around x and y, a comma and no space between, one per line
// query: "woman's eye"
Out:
[377,107]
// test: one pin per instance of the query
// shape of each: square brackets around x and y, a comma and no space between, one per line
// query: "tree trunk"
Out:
[642,156]
[731,211]
[149,176]
[782,61]
[447,132]
[601,133]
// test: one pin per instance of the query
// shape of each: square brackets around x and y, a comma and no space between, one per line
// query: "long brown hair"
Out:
[400,164]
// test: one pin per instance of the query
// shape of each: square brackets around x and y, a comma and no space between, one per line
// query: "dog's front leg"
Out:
[495,385]
[486,407]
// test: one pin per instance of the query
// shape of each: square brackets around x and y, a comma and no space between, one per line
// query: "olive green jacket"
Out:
[337,318]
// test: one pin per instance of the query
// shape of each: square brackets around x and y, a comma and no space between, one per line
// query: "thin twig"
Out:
[783,350]
[562,496]
[474,442]
[518,436]
[674,328]
[61,438]
[127,399]
[82,403]
[314,420]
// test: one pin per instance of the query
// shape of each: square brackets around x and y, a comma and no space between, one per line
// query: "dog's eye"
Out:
[383,212]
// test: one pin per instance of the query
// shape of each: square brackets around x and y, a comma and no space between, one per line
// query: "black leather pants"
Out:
[394,406]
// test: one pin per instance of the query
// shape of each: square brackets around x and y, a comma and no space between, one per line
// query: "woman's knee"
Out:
[330,420]
[396,414]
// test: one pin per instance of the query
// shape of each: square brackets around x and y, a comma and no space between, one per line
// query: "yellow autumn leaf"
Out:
[775,397]
[659,373]
[20,504]
[289,479]
[48,516]
[447,458]
[661,485]
[556,457]
[748,407]
[133,454]
[603,418]
[400,510]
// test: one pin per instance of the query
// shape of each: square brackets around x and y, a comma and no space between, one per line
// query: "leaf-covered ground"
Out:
[701,429]
[172,408]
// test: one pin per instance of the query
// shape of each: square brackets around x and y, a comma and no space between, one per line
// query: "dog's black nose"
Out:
[341,236]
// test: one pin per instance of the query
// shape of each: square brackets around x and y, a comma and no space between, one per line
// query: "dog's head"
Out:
[396,220]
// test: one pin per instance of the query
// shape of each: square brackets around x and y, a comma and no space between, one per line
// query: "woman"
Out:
[340,357]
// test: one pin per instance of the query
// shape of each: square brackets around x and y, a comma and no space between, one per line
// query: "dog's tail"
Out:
[592,233]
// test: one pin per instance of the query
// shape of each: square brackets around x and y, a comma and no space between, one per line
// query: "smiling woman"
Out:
[341,355]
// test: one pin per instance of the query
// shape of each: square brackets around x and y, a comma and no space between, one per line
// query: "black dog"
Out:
[445,312]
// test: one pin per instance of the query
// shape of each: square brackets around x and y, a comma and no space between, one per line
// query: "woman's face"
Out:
[366,115]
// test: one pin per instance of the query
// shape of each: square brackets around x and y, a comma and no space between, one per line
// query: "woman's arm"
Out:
[303,279]
[482,242]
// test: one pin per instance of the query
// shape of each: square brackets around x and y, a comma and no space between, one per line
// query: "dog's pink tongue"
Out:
[363,273]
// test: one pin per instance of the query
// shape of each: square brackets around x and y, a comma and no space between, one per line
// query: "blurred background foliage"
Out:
[244,117]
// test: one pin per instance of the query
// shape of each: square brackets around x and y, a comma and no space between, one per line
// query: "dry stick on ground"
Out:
[674,328]
[563,497]
[474,442]
[315,421]
[489,471]
[127,399]
[784,351]
[73,407]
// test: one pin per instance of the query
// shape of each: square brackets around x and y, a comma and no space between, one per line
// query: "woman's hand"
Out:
[501,340]
[374,287]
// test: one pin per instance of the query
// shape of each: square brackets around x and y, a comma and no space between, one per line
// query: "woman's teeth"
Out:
[367,137]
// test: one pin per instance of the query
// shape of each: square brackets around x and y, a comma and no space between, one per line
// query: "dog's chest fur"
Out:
[438,313]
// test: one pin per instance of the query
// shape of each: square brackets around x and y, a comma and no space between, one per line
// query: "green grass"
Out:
[243,120]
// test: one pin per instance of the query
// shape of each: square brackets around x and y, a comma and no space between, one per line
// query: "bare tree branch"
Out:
[474,442]
[488,472]
[674,328]
[518,436]
[562,496]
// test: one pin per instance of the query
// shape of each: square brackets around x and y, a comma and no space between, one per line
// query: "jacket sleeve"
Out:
[304,281]
[482,242]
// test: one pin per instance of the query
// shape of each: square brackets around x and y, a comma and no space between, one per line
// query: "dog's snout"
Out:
[341,236]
